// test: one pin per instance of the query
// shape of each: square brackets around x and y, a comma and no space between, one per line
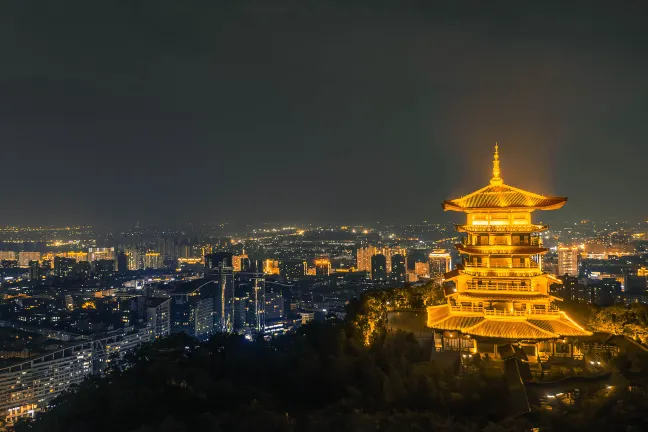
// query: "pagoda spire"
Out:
[496,180]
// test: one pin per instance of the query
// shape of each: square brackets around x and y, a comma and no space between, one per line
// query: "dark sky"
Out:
[168,112]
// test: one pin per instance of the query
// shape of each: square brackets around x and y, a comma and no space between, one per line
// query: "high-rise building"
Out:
[322,266]
[153,260]
[192,310]
[218,268]
[422,269]
[501,290]
[271,267]
[293,269]
[122,262]
[64,266]
[34,270]
[103,268]
[237,261]
[157,312]
[363,260]
[7,256]
[440,262]
[379,268]
[103,253]
[274,307]
[568,261]
[399,269]
[250,283]
[25,257]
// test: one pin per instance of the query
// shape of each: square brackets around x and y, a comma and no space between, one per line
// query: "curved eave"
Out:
[451,205]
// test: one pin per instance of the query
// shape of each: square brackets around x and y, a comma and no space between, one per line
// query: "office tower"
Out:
[122,262]
[69,303]
[152,260]
[104,253]
[240,309]
[440,262]
[34,270]
[25,257]
[363,258]
[250,282]
[237,261]
[64,266]
[501,290]
[568,261]
[422,269]
[379,268]
[83,269]
[103,268]
[157,313]
[293,269]
[271,267]
[192,310]
[322,266]
[7,256]
[274,307]
[399,269]
[218,268]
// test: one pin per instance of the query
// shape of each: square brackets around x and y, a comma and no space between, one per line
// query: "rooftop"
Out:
[498,195]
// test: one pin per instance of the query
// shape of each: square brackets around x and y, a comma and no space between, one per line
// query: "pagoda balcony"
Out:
[501,228]
[533,265]
[503,312]
[499,287]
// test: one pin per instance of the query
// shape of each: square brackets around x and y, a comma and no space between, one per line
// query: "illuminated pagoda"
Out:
[502,295]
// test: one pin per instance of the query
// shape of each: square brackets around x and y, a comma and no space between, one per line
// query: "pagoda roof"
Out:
[505,197]
[441,318]
[500,196]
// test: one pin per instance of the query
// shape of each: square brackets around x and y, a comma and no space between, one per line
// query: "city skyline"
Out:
[324,112]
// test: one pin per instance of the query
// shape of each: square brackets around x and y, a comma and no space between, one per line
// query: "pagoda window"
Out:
[521,219]
[500,240]
[483,240]
[500,219]
[544,347]
[479,219]
[515,240]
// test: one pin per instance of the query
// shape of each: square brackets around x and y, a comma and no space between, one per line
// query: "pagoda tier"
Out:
[501,290]
[501,228]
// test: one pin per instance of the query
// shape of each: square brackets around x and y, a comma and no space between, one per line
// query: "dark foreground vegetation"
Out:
[322,378]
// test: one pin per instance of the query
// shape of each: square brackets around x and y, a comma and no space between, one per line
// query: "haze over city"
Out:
[171,113]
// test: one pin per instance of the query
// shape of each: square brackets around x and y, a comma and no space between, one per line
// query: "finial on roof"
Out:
[496,180]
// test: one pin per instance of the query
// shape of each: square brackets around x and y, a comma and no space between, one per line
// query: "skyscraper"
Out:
[322,266]
[218,268]
[379,268]
[568,261]
[399,269]
[440,262]
[363,259]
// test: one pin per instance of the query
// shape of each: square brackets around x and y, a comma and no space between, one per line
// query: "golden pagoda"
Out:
[502,295]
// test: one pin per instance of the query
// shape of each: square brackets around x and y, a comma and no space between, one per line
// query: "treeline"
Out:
[368,314]
[321,378]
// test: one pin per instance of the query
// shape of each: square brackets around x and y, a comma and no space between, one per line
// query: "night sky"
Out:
[169,112]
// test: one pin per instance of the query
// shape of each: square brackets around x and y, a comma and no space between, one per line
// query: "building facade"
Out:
[567,261]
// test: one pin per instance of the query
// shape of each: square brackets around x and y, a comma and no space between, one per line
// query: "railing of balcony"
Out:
[502,312]
[533,241]
[532,265]
[501,228]
[498,287]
